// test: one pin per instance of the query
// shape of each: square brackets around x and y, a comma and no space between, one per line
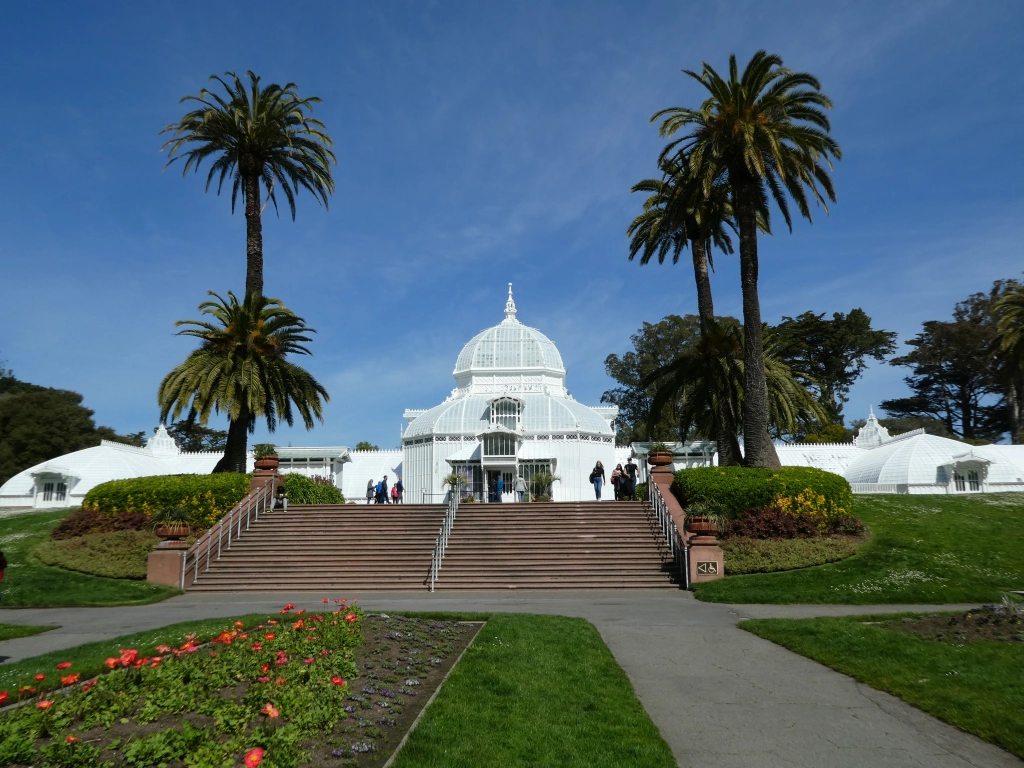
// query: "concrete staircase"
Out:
[352,546]
[559,545]
[556,545]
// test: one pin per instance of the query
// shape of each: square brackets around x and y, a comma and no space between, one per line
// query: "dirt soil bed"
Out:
[401,663]
[990,622]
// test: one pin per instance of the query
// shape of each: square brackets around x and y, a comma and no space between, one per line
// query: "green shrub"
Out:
[744,555]
[307,490]
[795,490]
[205,498]
[117,555]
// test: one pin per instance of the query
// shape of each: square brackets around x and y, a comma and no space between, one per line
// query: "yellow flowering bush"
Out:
[204,498]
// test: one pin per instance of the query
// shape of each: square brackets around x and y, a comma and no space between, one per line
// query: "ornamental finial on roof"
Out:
[510,307]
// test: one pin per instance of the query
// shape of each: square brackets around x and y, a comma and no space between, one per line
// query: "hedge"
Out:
[795,490]
[303,490]
[116,555]
[206,498]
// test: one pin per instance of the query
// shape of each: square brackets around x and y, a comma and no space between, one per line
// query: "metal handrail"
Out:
[219,537]
[677,548]
[442,537]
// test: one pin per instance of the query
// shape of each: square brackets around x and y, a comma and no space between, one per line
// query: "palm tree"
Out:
[240,368]
[255,134]
[678,214]
[765,133]
[1009,357]
[710,377]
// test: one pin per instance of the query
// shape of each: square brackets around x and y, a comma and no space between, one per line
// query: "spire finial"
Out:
[510,306]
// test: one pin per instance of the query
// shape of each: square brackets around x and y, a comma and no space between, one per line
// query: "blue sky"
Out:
[479,143]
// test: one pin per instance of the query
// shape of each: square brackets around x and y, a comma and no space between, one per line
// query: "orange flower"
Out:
[70,739]
[70,679]
[298,624]
[265,668]
[253,757]
[338,681]
[39,678]
[350,618]
[270,710]
[44,704]
[112,662]
[162,649]
[4,696]
[269,636]
[26,689]
[272,621]
[289,607]
[300,611]
[279,681]
[344,599]
[156,661]
[128,656]
[325,600]
[64,665]
[239,624]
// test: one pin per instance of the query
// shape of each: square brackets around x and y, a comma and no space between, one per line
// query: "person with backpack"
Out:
[499,489]
[384,499]
[597,478]
[379,492]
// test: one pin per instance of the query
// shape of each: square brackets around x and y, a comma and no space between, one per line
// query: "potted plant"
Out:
[705,519]
[659,454]
[171,524]
[540,485]
[266,457]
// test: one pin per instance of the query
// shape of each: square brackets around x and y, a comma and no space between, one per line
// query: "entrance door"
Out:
[507,477]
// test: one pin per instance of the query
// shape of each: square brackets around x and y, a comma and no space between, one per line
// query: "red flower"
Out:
[324,652]
[39,678]
[289,607]
[265,668]
[156,661]
[300,611]
[281,660]
[310,660]
[128,656]
[213,653]
[239,624]
[298,624]
[336,601]
[112,662]
[279,681]
[64,665]
[270,710]
[272,621]
[344,599]
[257,646]
[269,636]
[253,757]
[88,685]
[338,681]
[26,689]
[325,600]
[44,704]
[70,679]
[350,618]
[263,679]
[162,649]
[4,696]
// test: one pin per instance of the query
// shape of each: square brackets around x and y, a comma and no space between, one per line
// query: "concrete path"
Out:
[722,697]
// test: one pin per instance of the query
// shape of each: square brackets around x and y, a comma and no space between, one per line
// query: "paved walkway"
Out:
[722,697]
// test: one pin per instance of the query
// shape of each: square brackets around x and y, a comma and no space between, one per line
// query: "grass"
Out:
[974,686]
[30,583]
[743,555]
[88,659]
[14,631]
[923,549]
[536,691]
[115,554]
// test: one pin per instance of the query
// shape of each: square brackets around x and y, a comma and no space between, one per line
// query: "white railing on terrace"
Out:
[229,528]
[442,537]
[677,548]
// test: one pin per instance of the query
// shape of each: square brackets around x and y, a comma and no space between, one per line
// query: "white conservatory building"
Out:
[509,413]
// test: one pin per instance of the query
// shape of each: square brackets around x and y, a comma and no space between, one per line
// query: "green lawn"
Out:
[975,686]
[923,549]
[13,631]
[29,583]
[536,691]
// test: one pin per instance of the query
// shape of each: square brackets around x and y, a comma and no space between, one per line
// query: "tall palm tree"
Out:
[710,377]
[255,135]
[767,133]
[678,214]
[240,368]
[1009,357]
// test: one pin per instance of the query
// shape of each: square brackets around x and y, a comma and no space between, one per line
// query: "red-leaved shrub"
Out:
[86,521]
[772,523]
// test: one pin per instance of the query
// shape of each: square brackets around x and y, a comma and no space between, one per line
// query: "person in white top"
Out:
[519,486]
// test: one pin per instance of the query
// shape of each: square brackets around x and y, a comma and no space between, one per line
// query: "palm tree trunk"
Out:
[759,451]
[253,235]
[1013,403]
[706,310]
[237,446]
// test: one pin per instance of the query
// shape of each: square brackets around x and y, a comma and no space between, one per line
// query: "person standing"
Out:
[519,486]
[500,488]
[371,490]
[379,493]
[616,479]
[401,491]
[597,478]
[394,493]
[384,491]
[631,469]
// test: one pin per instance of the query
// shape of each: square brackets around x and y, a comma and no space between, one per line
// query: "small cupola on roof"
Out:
[512,357]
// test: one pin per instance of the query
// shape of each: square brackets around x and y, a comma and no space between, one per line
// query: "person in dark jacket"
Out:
[631,469]
[597,478]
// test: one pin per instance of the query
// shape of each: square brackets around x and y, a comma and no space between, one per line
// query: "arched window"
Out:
[506,412]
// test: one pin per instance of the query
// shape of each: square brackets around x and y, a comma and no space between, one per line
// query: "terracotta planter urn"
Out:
[268,464]
[702,526]
[173,531]
[660,458]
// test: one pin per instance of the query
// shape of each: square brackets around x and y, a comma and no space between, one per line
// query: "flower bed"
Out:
[295,687]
